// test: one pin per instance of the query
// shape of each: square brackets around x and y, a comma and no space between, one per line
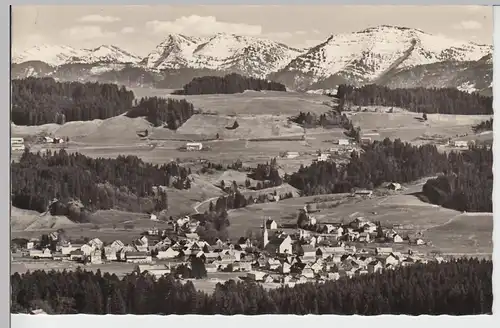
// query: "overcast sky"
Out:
[139,29]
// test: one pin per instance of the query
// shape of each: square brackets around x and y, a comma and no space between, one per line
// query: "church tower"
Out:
[265,234]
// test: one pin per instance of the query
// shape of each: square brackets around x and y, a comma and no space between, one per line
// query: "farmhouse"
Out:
[194,146]
[343,142]
[110,253]
[366,140]
[364,192]
[292,154]
[323,157]
[358,223]
[271,224]
[156,270]
[364,237]
[279,245]
[394,186]
[95,257]
[169,253]
[38,254]
[17,147]
[137,257]
[396,238]
[375,266]
[383,250]
[460,144]
[16,141]
[256,275]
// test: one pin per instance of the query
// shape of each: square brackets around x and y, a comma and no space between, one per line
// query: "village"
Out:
[314,252]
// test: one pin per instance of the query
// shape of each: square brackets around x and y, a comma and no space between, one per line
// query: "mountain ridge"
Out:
[371,55]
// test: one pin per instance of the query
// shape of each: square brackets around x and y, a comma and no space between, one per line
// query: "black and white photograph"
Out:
[251,160]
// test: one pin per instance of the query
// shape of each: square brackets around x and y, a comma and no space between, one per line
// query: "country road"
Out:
[197,205]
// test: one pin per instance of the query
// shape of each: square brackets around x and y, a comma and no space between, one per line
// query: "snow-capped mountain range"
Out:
[58,55]
[226,52]
[372,55]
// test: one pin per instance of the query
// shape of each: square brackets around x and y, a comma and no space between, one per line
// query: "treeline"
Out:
[420,100]
[325,120]
[98,183]
[461,287]
[238,200]
[267,173]
[228,84]
[37,101]
[170,113]
[483,126]
[468,183]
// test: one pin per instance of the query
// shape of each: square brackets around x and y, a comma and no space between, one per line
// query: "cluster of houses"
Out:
[282,257]
[360,230]
[326,252]
[18,143]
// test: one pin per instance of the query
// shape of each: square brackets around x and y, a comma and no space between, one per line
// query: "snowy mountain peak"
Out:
[56,55]
[368,55]
[223,52]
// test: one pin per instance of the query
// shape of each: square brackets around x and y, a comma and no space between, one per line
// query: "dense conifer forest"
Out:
[470,186]
[420,100]
[326,120]
[170,113]
[37,101]
[98,183]
[228,84]
[460,287]
[468,183]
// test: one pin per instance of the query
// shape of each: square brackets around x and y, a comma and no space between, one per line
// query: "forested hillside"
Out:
[462,287]
[37,101]
[231,83]
[395,161]
[421,100]
[468,183]
[99,183]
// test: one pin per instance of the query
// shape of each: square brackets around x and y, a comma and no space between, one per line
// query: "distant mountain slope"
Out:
[466,76]
[364,56]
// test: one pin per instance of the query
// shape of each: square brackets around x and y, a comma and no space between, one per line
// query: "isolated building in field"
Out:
[394,186]
[461,144]
[48,139]
[364,192]
[155,270]
[343,142]
[292,154]
[323,157]
[192,146]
